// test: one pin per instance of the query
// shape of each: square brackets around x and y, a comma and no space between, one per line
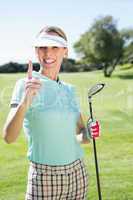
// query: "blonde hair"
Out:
[54,29]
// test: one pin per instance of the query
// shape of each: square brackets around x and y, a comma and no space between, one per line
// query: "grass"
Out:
[113,107]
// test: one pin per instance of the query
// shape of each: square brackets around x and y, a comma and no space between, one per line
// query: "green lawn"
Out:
[114,109]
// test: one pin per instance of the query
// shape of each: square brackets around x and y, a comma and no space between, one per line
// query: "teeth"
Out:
[49,61]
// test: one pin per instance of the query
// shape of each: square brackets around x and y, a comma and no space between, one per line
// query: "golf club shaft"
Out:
[95,155]
[90,105]
[97,170]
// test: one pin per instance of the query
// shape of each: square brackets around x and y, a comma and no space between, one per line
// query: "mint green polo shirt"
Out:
[50,122]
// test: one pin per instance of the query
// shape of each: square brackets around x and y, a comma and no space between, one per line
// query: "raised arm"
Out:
[16,115]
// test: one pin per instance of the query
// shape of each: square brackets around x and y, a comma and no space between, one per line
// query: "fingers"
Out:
[33,86]
[30,68]
[94,129]
[32,83]
[95,126]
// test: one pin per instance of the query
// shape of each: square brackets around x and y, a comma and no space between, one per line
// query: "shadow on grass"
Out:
[125,76]
[126,68]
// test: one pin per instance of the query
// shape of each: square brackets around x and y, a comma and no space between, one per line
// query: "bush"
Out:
[13,67]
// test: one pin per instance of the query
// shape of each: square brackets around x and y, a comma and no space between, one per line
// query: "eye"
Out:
[54,47]
[42,48]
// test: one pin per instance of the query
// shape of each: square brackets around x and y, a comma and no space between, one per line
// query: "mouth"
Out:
[48,62]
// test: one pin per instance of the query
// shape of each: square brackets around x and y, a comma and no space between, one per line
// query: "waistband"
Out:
[58,169]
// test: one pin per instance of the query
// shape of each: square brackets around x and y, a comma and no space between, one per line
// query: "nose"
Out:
[48,51]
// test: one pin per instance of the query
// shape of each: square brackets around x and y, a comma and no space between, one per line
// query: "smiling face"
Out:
[50,59]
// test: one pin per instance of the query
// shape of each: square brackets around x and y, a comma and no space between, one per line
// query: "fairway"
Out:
[113,107]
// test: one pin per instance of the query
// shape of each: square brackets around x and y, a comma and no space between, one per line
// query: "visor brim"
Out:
[49,41]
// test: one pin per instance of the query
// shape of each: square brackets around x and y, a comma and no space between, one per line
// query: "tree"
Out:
[101,44]
[127,35]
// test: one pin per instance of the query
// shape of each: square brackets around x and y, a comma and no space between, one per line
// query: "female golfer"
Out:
[47,109]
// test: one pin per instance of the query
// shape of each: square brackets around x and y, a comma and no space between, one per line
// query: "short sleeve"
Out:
[17,92]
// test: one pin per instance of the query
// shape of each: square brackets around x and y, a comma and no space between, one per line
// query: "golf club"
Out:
[94,90]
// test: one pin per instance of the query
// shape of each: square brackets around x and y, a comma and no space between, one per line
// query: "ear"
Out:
[66,53]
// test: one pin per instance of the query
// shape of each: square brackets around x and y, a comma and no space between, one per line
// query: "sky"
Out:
[20,21]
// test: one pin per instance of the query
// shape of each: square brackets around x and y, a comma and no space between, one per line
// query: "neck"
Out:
[49,73]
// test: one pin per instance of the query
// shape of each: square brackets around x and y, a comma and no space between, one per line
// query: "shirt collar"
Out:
[39,75]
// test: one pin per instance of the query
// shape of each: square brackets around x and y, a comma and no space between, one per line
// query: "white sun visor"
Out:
[45,40]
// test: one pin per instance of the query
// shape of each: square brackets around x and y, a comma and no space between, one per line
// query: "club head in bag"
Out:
[95,89]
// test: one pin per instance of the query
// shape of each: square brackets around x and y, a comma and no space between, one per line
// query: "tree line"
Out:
[68,65]
[102,47]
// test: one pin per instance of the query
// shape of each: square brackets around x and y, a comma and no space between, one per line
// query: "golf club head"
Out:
[95,89]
